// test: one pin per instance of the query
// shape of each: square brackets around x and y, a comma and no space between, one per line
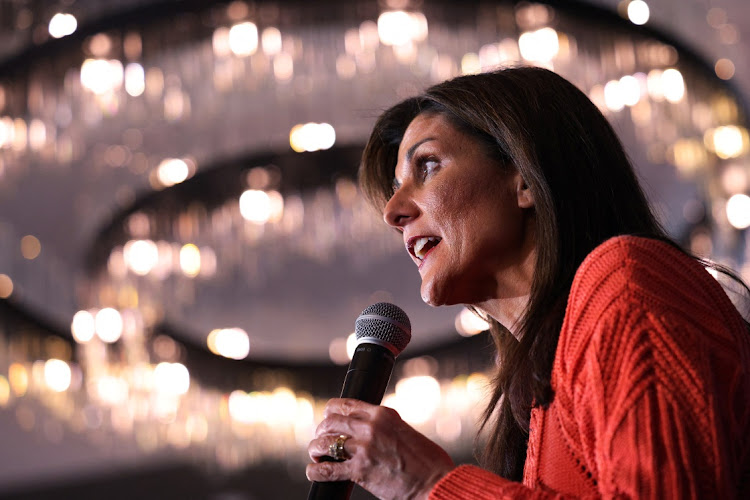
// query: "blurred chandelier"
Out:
[225,96]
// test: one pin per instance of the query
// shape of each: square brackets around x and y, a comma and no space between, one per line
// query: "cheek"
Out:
[474,212]
[491,229]
[455,204]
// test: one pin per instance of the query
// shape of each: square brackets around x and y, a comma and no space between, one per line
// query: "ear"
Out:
[523,194]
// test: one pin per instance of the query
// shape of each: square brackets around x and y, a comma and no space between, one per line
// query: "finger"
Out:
[321,447]
[318,447]
[328,471]
[337,424]
[349,407]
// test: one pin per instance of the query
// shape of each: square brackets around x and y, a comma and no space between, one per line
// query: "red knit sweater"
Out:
[652,388]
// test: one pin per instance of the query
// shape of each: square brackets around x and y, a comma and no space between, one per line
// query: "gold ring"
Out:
[336,449]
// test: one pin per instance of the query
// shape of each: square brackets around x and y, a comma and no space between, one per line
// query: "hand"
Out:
[388,458]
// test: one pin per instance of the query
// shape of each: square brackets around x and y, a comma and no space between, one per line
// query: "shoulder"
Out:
[644,259]
[643,272]
[633,295]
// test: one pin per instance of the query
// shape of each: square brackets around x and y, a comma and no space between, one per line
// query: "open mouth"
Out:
[420,247]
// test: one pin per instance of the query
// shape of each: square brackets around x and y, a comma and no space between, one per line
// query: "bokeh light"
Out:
[101,75]
[171,378]
[62,25]
[30,247]
[397,27]
[243,39]
[738,211]
[108,324]
[337,351]
[630,89]
[729,141]
[83,327]
[724,69]
[312,137]
[190,260]
[673,85]
[638,12]
[351,344]
[18,377]
[613,97]
[233,343]
[539,46]
[141,256]
[469,323]
[6,286]
[4,391]
[271,41]
[416,398]
[283,67]
[735,179]
[255,206]
[135,79]
[57,375]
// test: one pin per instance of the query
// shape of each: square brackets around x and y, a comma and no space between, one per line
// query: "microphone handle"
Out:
[332,490]
[369,373]
[366,380]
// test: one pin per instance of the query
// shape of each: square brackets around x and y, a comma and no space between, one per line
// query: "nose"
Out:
[400,209]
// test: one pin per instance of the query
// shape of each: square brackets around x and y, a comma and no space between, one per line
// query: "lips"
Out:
[420,246]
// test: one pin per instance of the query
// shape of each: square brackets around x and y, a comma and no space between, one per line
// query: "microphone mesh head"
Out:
[385,322]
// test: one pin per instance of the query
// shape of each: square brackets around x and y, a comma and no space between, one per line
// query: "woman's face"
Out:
[467,220]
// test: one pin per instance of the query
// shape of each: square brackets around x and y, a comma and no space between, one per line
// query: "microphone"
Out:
[383,330]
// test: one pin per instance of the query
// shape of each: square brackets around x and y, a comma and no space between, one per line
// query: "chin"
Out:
[451,292]
[436,296]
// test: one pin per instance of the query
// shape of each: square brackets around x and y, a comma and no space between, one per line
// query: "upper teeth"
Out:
[419,245]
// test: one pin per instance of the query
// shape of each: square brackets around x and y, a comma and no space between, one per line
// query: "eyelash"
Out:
[422,168]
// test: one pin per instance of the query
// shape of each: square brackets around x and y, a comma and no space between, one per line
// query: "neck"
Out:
[512,292]
[512,286]
[506,311]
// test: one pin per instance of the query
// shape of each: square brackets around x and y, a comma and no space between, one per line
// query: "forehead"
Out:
[425,125]
[423,129]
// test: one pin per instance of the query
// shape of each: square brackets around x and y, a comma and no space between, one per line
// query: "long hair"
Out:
[585,191]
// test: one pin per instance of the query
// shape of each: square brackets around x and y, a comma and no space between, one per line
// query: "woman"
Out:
[623,368]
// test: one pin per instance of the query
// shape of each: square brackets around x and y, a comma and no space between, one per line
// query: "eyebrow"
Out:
[411,150]
[410,154]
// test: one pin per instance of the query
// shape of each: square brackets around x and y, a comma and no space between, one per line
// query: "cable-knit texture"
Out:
[652,388]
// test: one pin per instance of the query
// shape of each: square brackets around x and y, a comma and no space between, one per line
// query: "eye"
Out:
[427,165]
[395,185]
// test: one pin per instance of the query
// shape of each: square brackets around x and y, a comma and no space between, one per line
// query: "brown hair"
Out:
[585,191]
